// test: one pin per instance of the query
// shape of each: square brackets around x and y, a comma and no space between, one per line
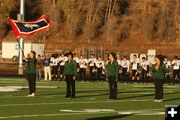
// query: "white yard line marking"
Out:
[18,88]
[143,112]
[87,102]
[89,111]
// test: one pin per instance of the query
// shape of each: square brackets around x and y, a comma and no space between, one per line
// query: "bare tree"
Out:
[6,8]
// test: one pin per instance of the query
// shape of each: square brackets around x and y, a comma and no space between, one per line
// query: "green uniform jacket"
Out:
[31,66]
[160,73]
[70,68]
[112,69]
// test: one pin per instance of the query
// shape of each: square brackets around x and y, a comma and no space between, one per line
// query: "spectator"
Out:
[47,68]
[39,68]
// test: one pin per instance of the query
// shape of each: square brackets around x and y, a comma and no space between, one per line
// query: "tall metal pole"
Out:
[21,39]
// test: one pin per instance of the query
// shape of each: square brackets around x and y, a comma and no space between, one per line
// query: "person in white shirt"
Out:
[54,65]
[125,66]
[75,58]
[92,68]
[62,59]
[176,64]
[145,69]
[82,68]
[167,63]
[119,65]
[100,66]
[135,71]
[119,60]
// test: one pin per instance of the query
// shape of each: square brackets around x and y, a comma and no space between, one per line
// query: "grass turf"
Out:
[135,102]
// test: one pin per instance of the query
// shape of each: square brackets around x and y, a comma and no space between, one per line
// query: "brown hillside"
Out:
[122,25]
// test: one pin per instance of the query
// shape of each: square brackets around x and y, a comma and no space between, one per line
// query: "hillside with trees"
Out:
[135,25]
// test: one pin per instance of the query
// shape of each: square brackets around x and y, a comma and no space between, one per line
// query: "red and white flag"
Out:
[28,28]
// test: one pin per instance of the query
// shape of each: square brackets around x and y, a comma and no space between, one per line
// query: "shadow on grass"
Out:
[106,93]
[108,117]
[96,93]
[101,94]
[147,95]
[172,99]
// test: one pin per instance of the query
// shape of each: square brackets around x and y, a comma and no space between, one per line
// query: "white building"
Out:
[11,49]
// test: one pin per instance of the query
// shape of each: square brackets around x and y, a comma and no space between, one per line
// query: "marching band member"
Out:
[176,67]
[125,66]
[167,63]
[99,66]
[82,68]
[54,65]
[62,59]
[120,67]
[76,59]
[145,69]
[135,71]
[92,60]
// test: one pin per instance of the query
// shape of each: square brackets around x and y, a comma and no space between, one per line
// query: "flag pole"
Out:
[21,39]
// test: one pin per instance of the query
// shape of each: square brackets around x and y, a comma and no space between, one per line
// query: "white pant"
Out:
[47,72]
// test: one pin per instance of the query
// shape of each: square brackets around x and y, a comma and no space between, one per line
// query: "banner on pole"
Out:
[28,28]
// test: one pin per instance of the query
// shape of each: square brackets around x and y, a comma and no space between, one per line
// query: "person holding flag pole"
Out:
[31,72]
[21,30]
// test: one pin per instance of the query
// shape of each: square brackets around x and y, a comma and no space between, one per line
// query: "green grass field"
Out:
[135,102]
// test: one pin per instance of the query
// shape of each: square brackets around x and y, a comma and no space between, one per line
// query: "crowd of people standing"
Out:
[68,66]
[94,69]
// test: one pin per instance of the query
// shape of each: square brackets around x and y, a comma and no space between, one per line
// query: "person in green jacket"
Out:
[112,75]
[31,72]
[70,69]
[159,70]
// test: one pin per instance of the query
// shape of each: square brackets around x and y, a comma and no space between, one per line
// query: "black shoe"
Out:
[67,96]
[73,97]
[114,98]
[110,98]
